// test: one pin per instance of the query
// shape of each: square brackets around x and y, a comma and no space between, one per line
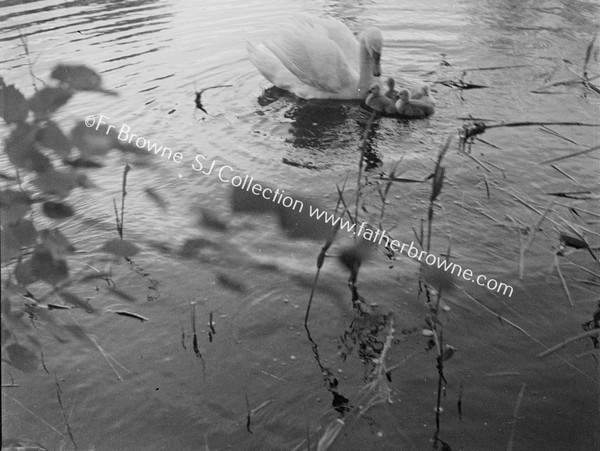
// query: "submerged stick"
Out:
[525,247]
[198,98]
[248,415]
[511,440]
[562,279]
[581,152]
[195,335]
[468,131]
[123,194]
[62,409]
[519,328]
[564,343]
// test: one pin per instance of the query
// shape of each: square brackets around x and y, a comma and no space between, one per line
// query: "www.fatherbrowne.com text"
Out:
[227,174]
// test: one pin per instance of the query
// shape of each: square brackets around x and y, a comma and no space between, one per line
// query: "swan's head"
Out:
[391,83]
[372,39]
[374,89]
[404,95]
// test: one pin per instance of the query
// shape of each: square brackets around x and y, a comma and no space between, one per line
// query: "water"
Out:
[256,281]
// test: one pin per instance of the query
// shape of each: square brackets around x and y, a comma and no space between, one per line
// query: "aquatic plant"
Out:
[47,166]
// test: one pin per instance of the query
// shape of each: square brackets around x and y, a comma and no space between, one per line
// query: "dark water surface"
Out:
[257,281]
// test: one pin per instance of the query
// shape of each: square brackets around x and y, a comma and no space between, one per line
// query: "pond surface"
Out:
[143,387]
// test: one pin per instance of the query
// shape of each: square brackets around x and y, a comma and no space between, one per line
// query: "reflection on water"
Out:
[157,55]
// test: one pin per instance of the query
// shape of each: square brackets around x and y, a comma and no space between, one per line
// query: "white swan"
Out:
[408,107]
[316,58]
[379,102]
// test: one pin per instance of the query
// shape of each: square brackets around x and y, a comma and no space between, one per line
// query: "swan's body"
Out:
[392,93]
[408,107]
[317,58]
[379,102]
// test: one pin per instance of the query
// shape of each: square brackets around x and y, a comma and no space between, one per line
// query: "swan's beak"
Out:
[377,65]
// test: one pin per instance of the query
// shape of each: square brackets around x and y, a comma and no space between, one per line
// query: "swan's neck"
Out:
[367,67]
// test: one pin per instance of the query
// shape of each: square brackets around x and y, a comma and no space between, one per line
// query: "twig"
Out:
[195,335]
[469,130]
[436,186]
[471,69]
[123,194]
[588,54]
[248,415]
[563,173]
[29,63]
[488,143]
[547,129]
[564,343]
[363,148]
[581,152]
[62,409]
[198,98]
[511,440]
[110,358]
[525,247]
[562,279]
[519,328]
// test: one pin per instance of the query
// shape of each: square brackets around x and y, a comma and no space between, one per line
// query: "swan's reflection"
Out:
[323,132]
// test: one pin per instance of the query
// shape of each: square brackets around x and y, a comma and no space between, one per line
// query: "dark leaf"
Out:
[22,358]
[57,210]
[49,99]
[13,105]
[78,77]
[83,181]
[192,246]
[297,223]
[93,141]
[156,198]
[212,221]
[83,163]
[10,246]
[120,248]
[57,183]
[23,273]
[56,242]
[46,268]
[438,278]
[13,206]
[231,283]
[52,137]
[243,201]
[24,231]
[352,257]
[22,152]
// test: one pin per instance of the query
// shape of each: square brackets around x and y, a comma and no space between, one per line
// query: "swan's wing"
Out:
[270,67]
[273,70]
[337,32]
[314,59]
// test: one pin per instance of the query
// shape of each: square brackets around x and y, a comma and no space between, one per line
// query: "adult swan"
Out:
[317,58]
